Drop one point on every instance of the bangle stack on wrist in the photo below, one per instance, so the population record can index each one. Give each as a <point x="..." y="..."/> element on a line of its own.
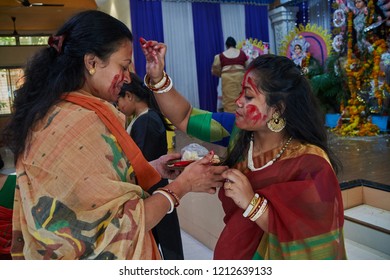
<point x="256" y="208"/>
<point x="163" y="86"/>
<point x="177" y="199"/>
<point x="259" y="210"/>
<point x="251" y="205"/>
<point x="171" y="196"/>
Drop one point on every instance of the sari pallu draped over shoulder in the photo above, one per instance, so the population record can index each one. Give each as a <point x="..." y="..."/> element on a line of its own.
<point x="76" y="195"/>
<point x="306" y="213"/>
<point x="147" y="176"/>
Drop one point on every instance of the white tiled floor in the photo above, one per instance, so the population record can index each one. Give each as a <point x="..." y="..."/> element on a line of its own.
<point x="194" y="250"/>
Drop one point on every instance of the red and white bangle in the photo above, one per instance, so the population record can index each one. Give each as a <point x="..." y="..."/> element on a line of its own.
<point x="166" y="88"/>
<point x="252" y="204"/>
<point x="163" y="86"/>
<point x="173" y="194"/>
<point x="169" y="199"/>
<point x="259" y="211"/>
<point x="158" y="85"/>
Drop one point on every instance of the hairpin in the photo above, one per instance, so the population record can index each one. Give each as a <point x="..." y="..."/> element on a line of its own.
<point x="56" y="42"/>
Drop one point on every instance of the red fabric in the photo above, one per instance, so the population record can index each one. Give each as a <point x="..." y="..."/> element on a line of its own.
<point x="304" y="200"/>
<point x="239" y="60"/>
<point x="147" y="176"/>
<point x="5" y="230"/>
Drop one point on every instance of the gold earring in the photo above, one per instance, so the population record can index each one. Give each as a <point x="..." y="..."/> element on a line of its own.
<point x="92" y="71"/>
<point x="276" y="124"/>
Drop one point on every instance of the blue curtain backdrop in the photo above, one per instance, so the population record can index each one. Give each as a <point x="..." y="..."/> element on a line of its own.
<point x="256" y="22"/>
<point x="146" y="21"/>
<point x="208" y="42"/>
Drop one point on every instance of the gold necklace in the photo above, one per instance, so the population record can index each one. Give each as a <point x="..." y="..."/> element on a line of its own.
<point x="251" y="166"/>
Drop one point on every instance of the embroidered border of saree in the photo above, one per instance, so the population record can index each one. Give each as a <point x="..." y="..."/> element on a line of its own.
<point x="321" y="247"/>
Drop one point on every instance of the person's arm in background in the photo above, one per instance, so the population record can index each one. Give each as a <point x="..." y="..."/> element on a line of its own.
<point x="216" y="68"/>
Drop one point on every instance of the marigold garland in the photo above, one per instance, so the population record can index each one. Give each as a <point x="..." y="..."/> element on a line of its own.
<point x="362" y="74"/>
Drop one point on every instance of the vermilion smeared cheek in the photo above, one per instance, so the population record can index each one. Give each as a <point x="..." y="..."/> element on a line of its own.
<point x="117" y="78"/>
<point x="253" y="114"/>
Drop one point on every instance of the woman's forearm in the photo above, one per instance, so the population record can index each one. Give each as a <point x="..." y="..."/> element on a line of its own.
<point x="158" y="204"/>
<point x="175" y="107"/>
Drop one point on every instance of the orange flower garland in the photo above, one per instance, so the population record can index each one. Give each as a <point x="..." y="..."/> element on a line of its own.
<point x="379" y="48"/>
<point x="358" y="74"/>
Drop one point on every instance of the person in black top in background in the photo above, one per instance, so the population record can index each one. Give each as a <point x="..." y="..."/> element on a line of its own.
<point x="148" y="129"/>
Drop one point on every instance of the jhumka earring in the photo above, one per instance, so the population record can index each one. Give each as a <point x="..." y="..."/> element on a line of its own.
<point x="276" y="124"/>
<point x="92" y="71"/>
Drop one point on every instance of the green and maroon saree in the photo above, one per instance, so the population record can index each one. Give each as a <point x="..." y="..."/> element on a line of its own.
<point x="306" y="213"/>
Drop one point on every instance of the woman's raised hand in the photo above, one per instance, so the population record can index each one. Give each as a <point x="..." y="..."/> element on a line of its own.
<point x="155" y="58"/>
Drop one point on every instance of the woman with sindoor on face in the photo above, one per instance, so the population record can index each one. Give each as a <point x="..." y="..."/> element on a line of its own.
<point x="81" y="180"/>
<point x="281" y="197"/>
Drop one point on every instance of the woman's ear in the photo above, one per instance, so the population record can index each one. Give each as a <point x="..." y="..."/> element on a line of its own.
<point x="90" y="63"/>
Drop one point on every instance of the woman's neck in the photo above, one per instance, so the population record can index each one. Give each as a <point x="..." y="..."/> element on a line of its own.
<point x="140" y="108"/>
<point x="265" y="142"/>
